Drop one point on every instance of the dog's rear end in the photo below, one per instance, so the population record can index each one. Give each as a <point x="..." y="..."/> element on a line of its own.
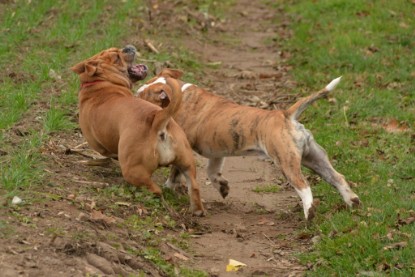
<point x="312" y="156"/>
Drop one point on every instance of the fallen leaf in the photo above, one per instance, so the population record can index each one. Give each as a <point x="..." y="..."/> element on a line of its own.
<point x="264" y="221"/>
<point x="403" y="25"/>
<point x="181" y="256"/>
<point x="397" y="245"/>
<point x="390" y="236"/>
<point x="245" y="74"/>
<point x="81" y="216"/>
<point x="54" y="75"/>
<point x="126" y="204"/>
<point x="393" y="126"/>
<point x="383" y="266"/>
<point x="373" y="49"/>
<point x="234" y="265"/>
<point x="406" y="221"/>
<point x="98" y="216"/>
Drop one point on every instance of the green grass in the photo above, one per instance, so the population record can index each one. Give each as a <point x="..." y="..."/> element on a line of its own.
<point x="266" y="188"/>
<point x="371" y="44"/>
<point x="29" y="49"/>
<point x="22" y="169"/>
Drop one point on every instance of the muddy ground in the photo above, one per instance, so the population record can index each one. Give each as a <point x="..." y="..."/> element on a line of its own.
<point x="74" y="230"/>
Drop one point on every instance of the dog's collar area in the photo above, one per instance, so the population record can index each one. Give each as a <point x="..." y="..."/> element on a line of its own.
<point x="88" y="84"/>
<point x="186" y="86"/>
<point x="160" y="80"/>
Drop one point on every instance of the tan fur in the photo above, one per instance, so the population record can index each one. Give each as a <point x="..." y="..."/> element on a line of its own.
<point x="141" y="135"/>
<point x="217" y="127"/>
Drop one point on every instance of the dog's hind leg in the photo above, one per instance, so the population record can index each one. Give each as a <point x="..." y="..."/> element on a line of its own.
<point x="290" y="163"/>
<point x="316" y="159"/>
<point x="214" y="171"/>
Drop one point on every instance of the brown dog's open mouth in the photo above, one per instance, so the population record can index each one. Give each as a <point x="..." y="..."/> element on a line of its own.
<point x="137" y="72"/>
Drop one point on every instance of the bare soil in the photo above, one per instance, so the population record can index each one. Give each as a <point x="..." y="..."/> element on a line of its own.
<point x="72" y="229"/>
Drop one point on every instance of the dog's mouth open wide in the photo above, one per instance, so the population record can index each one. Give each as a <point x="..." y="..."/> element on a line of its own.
<point x="136" y="72"/>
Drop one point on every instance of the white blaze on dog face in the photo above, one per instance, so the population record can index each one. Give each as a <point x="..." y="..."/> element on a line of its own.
<point x="160" y="80"/>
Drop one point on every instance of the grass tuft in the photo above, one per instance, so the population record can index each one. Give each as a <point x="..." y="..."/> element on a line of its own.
<point x="368" y="43"/>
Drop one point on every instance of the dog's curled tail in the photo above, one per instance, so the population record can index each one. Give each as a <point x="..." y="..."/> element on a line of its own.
<point x="174" y="96"/>
<point x="296" y="110"/>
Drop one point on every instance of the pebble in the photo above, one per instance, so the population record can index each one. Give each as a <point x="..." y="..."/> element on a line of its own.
<point x="16" y="200"/>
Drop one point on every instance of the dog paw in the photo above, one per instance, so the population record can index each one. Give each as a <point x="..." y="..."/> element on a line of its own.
<point x="224" y="189"/>
<point x="355" y="202"/>
<point x="199" y="213"/>
<point x="156" y="191"/>
<point x="311" y="213"/>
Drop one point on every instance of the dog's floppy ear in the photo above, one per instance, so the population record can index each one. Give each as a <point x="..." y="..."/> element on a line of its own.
<point x="91" y="68"/>
<point x="88" y="67"/>
<point x="164" y="99"/>
<point x="79" y="68"/>
<point x="172" y="73"/>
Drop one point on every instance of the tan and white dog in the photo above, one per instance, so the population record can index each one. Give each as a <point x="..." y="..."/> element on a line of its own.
<point x="217" y="127"/>
<point x="141" y="135"/>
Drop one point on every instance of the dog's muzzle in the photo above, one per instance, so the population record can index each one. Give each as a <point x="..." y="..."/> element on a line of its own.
<point x="136" y="72"/>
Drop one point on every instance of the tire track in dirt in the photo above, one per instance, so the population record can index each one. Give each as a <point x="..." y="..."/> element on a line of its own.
<point x="256" y="229"/>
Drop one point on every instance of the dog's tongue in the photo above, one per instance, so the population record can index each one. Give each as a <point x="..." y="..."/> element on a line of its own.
<point x="138" y="71"/>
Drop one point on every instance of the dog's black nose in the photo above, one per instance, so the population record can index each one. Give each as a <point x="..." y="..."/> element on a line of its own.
<point x="129" y="49"/>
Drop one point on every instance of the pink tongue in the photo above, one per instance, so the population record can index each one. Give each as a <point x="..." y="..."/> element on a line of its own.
<point x="138" y="69"/>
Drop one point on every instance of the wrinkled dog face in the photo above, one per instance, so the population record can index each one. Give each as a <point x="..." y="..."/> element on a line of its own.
<point x="114" y="65"/>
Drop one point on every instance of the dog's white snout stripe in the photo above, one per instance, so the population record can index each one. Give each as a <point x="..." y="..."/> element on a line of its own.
<point x="160" y="80"/>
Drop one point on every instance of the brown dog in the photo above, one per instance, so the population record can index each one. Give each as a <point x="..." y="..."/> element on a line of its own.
<point x="141" y="135"/>
<point x="217" y="127"/>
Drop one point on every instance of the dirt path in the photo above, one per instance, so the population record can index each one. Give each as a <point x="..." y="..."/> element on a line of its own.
<point x="254" y="228"/>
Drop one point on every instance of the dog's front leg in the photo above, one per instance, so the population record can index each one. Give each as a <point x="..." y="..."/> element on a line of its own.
<point x="194" y="191"/>
<point x="214" y="171"/>
<point x="316" y="159"/>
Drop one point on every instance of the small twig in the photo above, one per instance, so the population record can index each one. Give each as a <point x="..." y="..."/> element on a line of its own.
<point x="92" y="183"/>
<point x="151" y="46"/>
<point x="80" y="145"/>
<point x="345" y="108"/>
<point x="169" y="209"/>
<point x="175" y="248"/>
<point x="55" y="236"/>
<point x="273" y="243"/>
<point x="97" y="162"/>
<point x="79" y="152"/>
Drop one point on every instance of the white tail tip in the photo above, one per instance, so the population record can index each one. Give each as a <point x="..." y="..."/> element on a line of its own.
<point x="333" y="84"/>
